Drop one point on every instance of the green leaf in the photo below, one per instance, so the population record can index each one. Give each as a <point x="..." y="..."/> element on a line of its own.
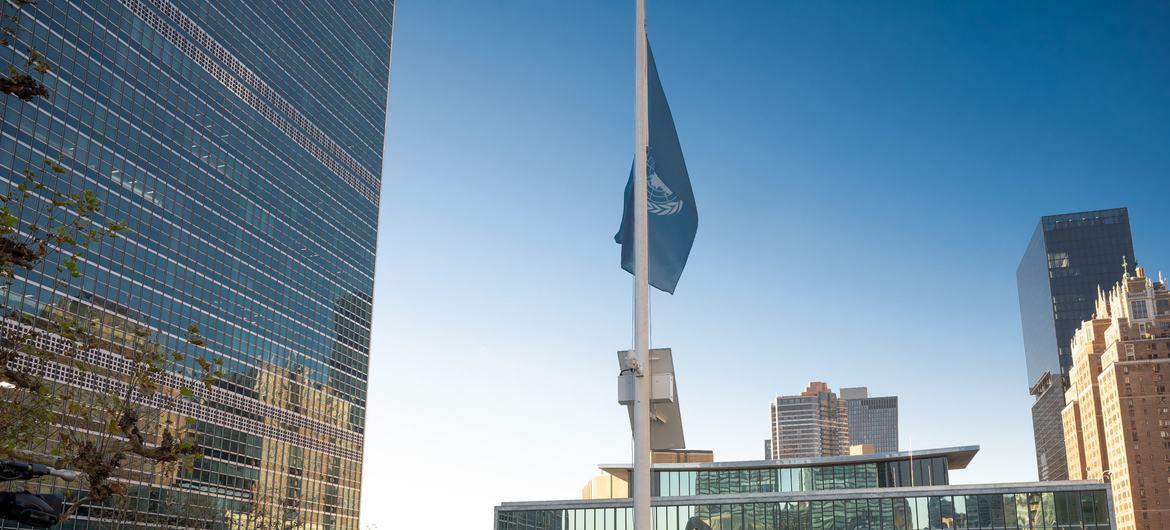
<point x="71" y="266"/>
<point x="186" y="392"/>
<point x="53" y="165"/>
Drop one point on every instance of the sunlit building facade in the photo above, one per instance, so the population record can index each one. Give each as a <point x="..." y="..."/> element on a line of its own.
<point x="814" y="423"/>
<point x="242" y="144"/>
<point x="891" y="491"/>
<point x="1117" y="417"/>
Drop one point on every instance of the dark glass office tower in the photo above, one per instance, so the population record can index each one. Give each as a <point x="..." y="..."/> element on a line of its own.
<point x="242" y="143"/>
<point x="872" y="420"/>
<point x="1068" y="258"/>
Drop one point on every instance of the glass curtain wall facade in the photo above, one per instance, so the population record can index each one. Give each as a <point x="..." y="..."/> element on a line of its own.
<point x="242" y="144"/>
<point x="1048" y="434"/>
<point x="1068" y="258"/>
<point x="858" y="492"/>
<point x="888" y="474"/>
<point x="1021" y="507"/>
<point x="872" y="420"/>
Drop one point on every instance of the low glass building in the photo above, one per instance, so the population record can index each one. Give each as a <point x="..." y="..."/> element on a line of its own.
<point x="892" y="491"/>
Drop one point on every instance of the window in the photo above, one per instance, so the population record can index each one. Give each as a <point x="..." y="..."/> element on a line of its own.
<point x="1137" y="309"/>
<point x="1058" y="260"/>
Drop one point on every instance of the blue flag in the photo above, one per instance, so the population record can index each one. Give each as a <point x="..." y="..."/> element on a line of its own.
<point x="673" y="218"/>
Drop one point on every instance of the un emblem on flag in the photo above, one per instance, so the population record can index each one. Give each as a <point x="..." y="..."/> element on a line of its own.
<point x="659" y="199"/>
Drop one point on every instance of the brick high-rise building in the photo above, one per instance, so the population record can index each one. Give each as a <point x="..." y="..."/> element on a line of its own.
<point x="1117" y="416"/>
<point x="813" y="424"/>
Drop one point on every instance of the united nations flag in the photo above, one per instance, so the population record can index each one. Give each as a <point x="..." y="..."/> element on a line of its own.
<point x="673" y="218"/>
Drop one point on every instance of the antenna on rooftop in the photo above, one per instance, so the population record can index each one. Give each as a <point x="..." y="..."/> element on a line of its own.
<point x="910" y="439"/>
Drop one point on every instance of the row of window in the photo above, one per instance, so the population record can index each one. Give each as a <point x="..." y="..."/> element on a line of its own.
<point x="918" y="472"/>
<point x="1077" y="510"/>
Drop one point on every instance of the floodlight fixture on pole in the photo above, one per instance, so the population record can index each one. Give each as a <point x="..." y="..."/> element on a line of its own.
<point x="666" y="431"/>
<point x="36" y="510"/>
<point x="21" y="470"/>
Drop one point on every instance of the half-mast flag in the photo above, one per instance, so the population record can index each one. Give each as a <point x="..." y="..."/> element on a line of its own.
<point x="673" y="218"/>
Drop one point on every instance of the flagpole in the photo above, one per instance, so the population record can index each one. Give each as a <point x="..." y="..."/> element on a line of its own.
<point x="642" y="376"/>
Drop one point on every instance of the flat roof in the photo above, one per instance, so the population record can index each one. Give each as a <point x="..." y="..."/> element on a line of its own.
<point x="957" y="458"/>
<point x="863" y="493"/>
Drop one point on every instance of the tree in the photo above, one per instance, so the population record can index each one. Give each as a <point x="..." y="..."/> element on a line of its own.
<point x="125" y="412"/>
<point x="18" y="81"/>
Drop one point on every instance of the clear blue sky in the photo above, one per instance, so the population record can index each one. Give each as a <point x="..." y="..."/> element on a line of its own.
<point x="867" y="177"/>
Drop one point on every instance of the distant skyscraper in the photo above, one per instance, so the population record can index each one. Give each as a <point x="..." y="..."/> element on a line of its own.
<point x="242" y="142"/>
<point x="1047" y="430"/>
<point x="813" y="424"/>
<point x="872" y="420"/>
<point x="1069" y="256"/>
<point x="1117" y="417"/>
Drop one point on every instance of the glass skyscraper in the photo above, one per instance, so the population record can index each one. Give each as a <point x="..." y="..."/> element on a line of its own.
<point x="242" y="143"/>
<point x="1069" y="257"/>
<point x="872" y="420"/>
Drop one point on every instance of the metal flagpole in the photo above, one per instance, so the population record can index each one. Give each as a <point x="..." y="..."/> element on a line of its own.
<point x="642" y="376"/>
